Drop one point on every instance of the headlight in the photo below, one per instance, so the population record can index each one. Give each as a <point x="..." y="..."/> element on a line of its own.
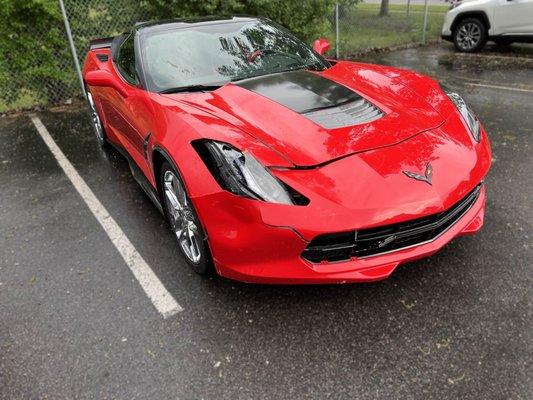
<point x="241" y="174"/>
<point x="467" y="114"/>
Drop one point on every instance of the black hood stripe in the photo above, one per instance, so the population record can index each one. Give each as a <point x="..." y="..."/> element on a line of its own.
<point x="301" y="91"/>
<point x="322" y="100"/>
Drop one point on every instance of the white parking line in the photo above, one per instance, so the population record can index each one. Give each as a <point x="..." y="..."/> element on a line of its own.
<point x="152" y="286"/>
<point x="515" y="89"/>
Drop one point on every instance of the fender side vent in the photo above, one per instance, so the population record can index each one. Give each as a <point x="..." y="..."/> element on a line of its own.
<point x="347" y="114"/>
<point x="102" y="57"/>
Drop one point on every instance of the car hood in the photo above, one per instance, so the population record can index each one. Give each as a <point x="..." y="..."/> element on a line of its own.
<point x="380" y="187"/>
<point x="312" y="118"/>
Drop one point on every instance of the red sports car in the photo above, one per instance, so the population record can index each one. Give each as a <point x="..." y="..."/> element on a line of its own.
<point x="274" y="164"/>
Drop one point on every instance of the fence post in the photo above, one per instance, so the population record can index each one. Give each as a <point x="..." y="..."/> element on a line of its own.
<point x="425" y="21"/>
<point x="337" y="30"/>
<point x="72" y="45"/>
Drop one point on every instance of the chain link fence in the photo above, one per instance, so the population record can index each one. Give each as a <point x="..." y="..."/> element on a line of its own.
<point x="33" y="81"/>
<point x="88" y="19"/>
<point x="361" y="28"/>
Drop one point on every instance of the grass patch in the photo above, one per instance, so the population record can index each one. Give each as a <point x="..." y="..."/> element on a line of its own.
<point x="360" y="27"/>
<point x="27" y="99"/>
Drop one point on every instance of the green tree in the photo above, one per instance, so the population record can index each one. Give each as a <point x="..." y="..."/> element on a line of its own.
<point x="307" y="18"/>
<point x="36" y="57"/>
<point x="33" y="46"/>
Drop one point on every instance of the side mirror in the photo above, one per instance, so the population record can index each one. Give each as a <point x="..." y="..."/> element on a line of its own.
<point x="321" y="45"/>
<point x="104" y="78"/>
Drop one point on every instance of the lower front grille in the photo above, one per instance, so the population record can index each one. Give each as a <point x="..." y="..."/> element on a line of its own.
<point x="343" y="246"/>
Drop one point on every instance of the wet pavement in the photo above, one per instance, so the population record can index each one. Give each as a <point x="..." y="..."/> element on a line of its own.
<point x="74" y="323"/>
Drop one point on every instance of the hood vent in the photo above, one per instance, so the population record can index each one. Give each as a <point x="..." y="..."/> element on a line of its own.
<point x="323" y="101"/>
<point x="346" y="114"/>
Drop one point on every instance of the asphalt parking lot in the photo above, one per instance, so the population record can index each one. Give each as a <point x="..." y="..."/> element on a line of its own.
<point x="75" y="323"/>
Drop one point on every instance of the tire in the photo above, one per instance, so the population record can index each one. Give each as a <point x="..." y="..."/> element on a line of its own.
<point x="96" y="121"/>
<point x="470" y="35"/>
<point x="184" y="221"/>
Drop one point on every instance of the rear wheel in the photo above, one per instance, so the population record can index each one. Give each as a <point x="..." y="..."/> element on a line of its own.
<point x="184" y="221"/>
<point x="96" y="122"/>
<point x="469" y="35"/>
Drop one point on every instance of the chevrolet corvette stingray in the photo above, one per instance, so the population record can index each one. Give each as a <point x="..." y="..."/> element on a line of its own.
<point x="274" y="164"/>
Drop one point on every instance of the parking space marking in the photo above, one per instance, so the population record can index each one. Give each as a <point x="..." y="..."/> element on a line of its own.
<point x="152" y="286"/>
<point x="500" y="87"/>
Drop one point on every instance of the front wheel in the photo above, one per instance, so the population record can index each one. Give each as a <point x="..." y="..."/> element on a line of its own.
<point x="470" y="35"/>
<point x="184" y="222"/>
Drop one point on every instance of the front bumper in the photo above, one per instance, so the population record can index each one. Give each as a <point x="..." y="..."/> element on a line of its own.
<point x="245" y="248"/>
<point x="449" y="17"/>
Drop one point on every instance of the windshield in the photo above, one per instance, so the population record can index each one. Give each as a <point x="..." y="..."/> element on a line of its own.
<point x="214" y="54"/>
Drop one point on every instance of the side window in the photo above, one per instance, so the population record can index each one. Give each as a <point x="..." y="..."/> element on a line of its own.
<point x="126" y="60"/>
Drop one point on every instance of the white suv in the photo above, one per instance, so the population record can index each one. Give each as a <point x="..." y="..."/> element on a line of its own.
<point x="469" y="24"/>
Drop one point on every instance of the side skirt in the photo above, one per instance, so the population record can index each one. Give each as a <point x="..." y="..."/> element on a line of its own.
<point x="525" y="38"/>
<point x="138" y="175"/>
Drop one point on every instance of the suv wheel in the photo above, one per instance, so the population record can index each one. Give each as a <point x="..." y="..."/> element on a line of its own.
<point x="469" y="35"/>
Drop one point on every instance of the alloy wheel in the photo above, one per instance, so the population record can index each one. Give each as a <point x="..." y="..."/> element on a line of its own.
<point x="469" y="36"/>
<point x="182" y="218"/>
<point x="95" y="119"/>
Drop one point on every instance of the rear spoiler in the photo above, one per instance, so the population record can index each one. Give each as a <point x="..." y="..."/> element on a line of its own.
<point x="101" y="43"/>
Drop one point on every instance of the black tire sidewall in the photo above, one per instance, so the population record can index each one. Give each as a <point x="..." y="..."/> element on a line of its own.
<point x="482" y="40"/>
<point x="204" y="266"/>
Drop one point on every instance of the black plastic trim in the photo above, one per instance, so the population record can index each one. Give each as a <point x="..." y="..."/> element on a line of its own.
<point x="301" y="91"/>
<point x="139" y="177"/>
<point x="513" y="38"/>
<point x="342" y="246"/>
<point x="116" y="42"/>
<point x="101" y="43"/>
<point x="145" y="145"/>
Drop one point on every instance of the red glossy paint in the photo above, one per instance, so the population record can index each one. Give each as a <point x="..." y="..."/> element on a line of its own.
<point x="353" y="175"/>
<point x="321" y="45"/>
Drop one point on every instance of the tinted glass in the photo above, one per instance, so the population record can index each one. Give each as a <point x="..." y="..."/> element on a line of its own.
<point x="218" y="53"/>
<point x="126" y="60"/>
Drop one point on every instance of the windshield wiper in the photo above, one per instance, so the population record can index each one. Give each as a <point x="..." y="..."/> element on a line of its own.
<point x="265" y="72"/>
<point x="191" y="88"/>
<point x="315" y="67"/>
<point x="310" y="67"/>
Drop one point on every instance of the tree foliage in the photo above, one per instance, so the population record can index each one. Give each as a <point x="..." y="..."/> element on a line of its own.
<point x="307" y="18"/>
<point x="35" y="53"/>
<point x="32" y="42"/>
